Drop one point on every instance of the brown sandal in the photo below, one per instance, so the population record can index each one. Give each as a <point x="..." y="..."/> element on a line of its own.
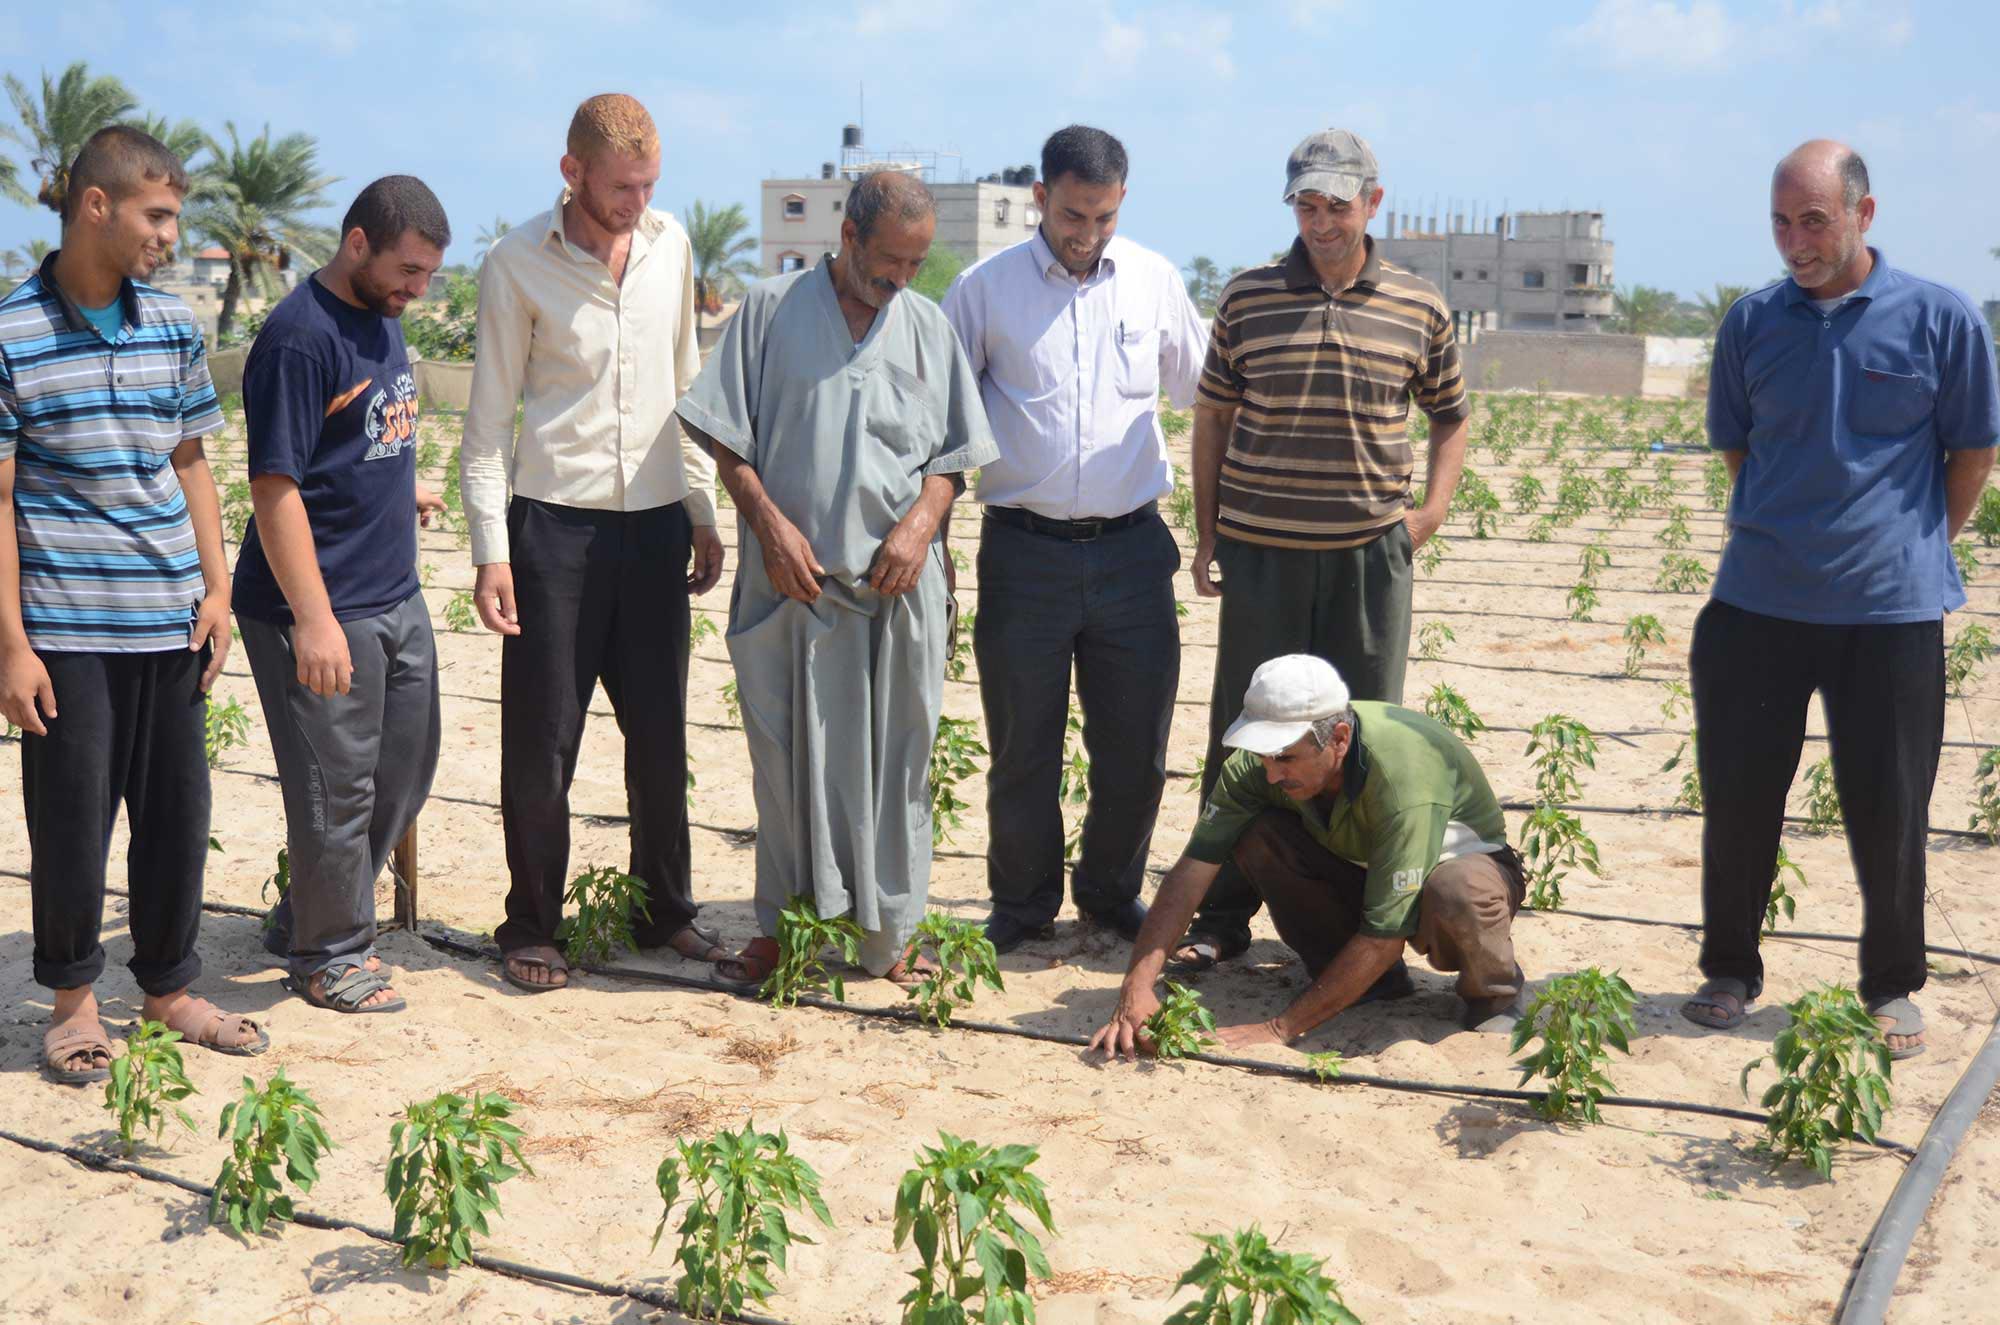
<point x="531" y="955"/>
<point x="755" y="964"/>
<point x="908" y="975"/>
<point x="698" y="945"/>
<point x="64" y="1043"/>
<point x="202" y="1023"/>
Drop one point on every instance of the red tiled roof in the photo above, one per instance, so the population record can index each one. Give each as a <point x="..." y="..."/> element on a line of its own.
<point x="214" y="252"/>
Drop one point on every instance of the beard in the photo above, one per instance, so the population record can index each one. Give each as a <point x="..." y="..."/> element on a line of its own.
<point x="599" y="214"/>
<point x="377" y="299"/>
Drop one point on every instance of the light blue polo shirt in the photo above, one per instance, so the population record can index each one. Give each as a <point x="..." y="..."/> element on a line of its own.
<point x="1838" y="516"/>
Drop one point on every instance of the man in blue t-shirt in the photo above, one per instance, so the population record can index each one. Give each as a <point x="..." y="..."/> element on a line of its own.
<point x="326" y="585"/>
<point x="1857" y="409"/>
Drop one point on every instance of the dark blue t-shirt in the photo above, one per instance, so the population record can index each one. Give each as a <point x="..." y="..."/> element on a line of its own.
<point x="1846" y="416"/>
<point x="331" y="404"/>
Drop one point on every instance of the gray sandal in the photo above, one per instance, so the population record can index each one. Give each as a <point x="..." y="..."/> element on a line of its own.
<point x="1708" y="1000"/>
<point x="1909" y="1021"/>
<point x="347" y="991"/>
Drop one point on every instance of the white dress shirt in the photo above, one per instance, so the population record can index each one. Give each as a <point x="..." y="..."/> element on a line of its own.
<point x="596" y="366"/>
<point x="1071" y="372"/>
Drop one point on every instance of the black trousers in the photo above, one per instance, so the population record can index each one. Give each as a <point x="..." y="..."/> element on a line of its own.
<point x="1882" y="688"/>
<point x="1106" y="607"/>
<point x="601" y="595"/>
<point x="128" y="731"/>
<point x="1350" y="606"/>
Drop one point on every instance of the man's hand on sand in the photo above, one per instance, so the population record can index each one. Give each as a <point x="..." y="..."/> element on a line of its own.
<point x="1250" y="1035"/>
<point x="1124" y="1036"/>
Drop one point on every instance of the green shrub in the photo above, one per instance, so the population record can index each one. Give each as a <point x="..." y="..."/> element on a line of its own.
<point x="447" y="1159"/>
<point x="1576" y="1016"/>
<point x="1969" y="649"/>
<point x="959" y="1207"/>
<point x="803" y="938"/>
<point x="1783" y="902"/>
<point x="274" y="1136"/>
<point x="1449" y="708"/>
<point x="1986" y="797"/>
<point x="1242" y="1278"/>
<point x="1833" y="1082"/>
<point x="1182" y="1026"/>
<point x="600" y="925"/>
<point x="1432" y="636"/>
<point x="225" y="727"/>
<point x="1641" y="632"/>
<point x="952" y="762"/>
<point x="965" y="959"/>
<point x="734" y="1232"/>
<point x="148" y="1082"/>
<point x="1822" y="798"/>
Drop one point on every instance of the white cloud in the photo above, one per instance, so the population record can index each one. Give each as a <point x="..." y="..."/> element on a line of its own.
<point x="1185" y="40"/>
<point x="1877" y="22"/>
<point x="1657" y="34"/>
<point x="1121" y="43"/>
<point x="881" y="17"/>
<point x="1311" y="13"/>
<point x="1203" y="37"/>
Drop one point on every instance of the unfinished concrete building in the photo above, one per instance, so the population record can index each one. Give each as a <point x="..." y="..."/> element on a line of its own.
<point x="1526" y="271"/>
<point x="975" y="217"/>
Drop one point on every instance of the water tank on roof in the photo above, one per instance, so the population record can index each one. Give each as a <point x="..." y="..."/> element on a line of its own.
<point x="850" y="135"/>
<point x="826" y="170"/>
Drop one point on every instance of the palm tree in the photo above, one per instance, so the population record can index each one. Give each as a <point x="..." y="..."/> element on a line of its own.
<point x="1715" y="305"/>
<point x="256" y="211"/>
<point x="488" y="238"/>
<point x="1641" y="310"/>
<point x="1204" y="283"/>
<point x="719" y="245"/>
<point x="72" y="108"/>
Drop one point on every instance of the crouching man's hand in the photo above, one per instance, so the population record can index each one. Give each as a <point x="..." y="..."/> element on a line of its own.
<point x="1124" y="1036"/>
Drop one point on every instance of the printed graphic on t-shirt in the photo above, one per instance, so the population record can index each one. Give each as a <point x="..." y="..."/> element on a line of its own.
<point x="392" y="418"/>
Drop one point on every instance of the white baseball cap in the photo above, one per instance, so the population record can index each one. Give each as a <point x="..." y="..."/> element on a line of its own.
<point x="1286" y="696"/>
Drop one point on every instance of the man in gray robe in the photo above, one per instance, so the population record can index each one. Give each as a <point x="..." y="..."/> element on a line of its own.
<point x="843" y="416"/>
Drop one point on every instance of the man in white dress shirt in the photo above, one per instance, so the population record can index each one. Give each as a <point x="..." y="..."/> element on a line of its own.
<point x="586" y="319"/>
<point x="1073" y="334"/>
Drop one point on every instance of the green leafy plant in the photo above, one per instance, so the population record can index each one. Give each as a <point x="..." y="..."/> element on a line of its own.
<point x="1432" y="554"/>
<point x="274" y="1136"/>
<point x="1715" y="482"/>
<point x="1073" y="788"/>
<point x="1559" y="745"/>
<point x="1678" y="699"/>
<point x="459" y="613"/>
<point x="1242" y="1278"/>
<point x="225" y="727"/>
<point x="1553" y="842"/>
<point x="1641" y="633"/>
<point x="958" y="1206"/>
<point x="1449" y="708"/>
<point x="1967" y="559"/>
<point x="1822" y="798"/>
<point x="1182" y="1025"/>
<point x="1969" y="650"/>
<point x="1475" y="500"/>
<point x="148" y="1082"/>
<point x="1180" y="502"/>
<point x="732" y="702"/>
<point x="1582" y="601"/>
<point x="1576" y="1016"/>
<point x="236" y="508"/>
<point x="734" y="1232"/>
<point x="1432" y="636"/>
<point x="961" y="658"/>
<point x="277" y="885"/>
<point x="952" y="761"/>
<point x="600" y="926"/>
<point x="1327" y="1065"/>
<point x="1576" y="495"/>
<point x="965" y="959"/>
<point x="1527" y="493"/>
<point x="447" y="1158"/>
<point x="1680" y="573"/>
<point x="701" y="627"/>
<point x="1594" y="561"/>
<point x="1986" y="517"/>
<point x="1675" y="533"/>
<point x="1688" y="797"/>
<point x="1542" y="530"/>
<point x="1986" y="797"/>
<point x="803" y="938"/>
<point x="1833" y="1082"/>
<point x="1783" y="901"/>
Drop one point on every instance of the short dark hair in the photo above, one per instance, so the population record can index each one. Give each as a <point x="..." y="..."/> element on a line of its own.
<point x="391" y="207"/>
<point x="1092" y="155"/>
<point x="1853" y="179"/>
<point x="890" y="194"/>
<point x="117" y="160"/>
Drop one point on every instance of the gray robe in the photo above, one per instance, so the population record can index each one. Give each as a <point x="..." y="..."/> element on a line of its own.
<point x="840" y="698"/>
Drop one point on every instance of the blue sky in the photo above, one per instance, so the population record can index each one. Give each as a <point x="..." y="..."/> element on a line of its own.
<point x="1667" y="114"/>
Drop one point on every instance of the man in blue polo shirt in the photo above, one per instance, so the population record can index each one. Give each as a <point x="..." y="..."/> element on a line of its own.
<point x="1857" y="408"/>
<point x="114" y="598"/>
<point x="326" y="584"/>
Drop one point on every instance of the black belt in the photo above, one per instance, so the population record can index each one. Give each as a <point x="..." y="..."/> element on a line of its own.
<point x="1076" y="531"/>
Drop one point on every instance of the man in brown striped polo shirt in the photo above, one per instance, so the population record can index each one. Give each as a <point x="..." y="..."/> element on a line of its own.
<point x="1302" y="466"/>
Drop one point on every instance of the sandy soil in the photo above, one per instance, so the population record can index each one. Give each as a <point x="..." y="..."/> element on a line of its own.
<point x="1426" y="1208"/>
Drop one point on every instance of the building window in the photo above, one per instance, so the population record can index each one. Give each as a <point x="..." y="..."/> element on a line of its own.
<point x="1579" y="274"/>
<point x="836" y="206"/>
<point x="791" y="262"/>
<point x="1532" y="279"/>
<point x="1000" y="211"/>
<point x="1482" y="274"/>
<point x="1031" y="217"/>
<point x="795" y="207"/>
<point x="1458" y="273"/>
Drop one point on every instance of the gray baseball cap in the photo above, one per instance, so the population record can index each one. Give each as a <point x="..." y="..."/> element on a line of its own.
<point x="1332" y="161"/>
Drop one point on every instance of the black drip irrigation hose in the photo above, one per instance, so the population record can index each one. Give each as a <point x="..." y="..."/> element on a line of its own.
<point x="92" y="1159"/>
<point x="907" y="1016"/>
<point x="1888" y="1246"/>
<point x="1937" y="949"/>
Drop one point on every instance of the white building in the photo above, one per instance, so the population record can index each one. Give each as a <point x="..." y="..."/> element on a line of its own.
<point x="1532" y="271"/>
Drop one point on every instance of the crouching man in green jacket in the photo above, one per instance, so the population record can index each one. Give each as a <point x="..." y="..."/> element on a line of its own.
<point x="1364" y="827"/>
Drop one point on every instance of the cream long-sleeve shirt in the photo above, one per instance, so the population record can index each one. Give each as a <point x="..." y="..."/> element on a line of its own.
<point x="596" y="366"/>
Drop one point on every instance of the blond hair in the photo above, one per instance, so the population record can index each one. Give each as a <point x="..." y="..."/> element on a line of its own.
<point x="612" y="121"/>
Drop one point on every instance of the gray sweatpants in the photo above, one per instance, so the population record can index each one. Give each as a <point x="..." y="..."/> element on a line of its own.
<point x="355" y="769"/>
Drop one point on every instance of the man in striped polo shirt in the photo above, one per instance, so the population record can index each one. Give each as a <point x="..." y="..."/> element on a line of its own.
<point x="114" y="597"/>
<point x="1302" y="466"/>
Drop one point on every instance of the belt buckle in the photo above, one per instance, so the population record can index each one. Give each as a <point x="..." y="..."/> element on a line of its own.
<point x="1096" y="531"/>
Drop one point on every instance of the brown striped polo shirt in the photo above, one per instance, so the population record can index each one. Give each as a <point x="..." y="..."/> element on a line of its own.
<point x="1319" y="455"/>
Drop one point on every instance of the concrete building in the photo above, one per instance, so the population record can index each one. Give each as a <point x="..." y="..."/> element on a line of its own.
<point x="975" y="218"/>
<point x="1530" y="271"/>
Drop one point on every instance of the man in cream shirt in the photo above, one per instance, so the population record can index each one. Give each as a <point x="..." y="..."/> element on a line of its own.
<point x="586" y="320"/>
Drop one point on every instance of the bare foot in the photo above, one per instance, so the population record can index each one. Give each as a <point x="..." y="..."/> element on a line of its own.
<point x="537" y="965"/>
<point x="383" y="995"/>
<point x="1898" y="1043"/>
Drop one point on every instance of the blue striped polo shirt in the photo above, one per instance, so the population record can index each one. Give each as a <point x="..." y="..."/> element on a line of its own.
<point x="108" y="557"/>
